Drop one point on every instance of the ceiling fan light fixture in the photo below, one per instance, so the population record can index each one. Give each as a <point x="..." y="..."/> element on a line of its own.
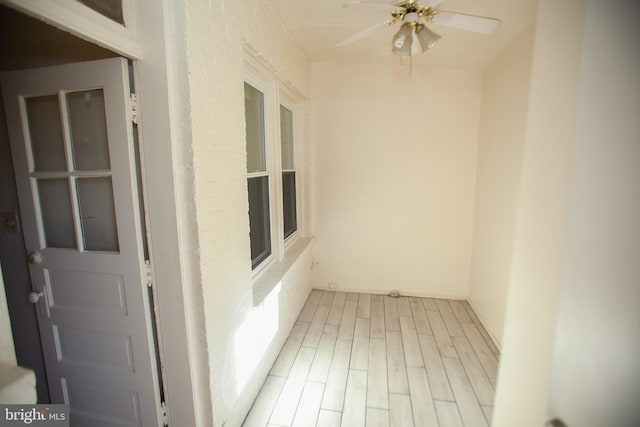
<point x="426" y="37"/>
<point x="402" y="40"/>
<point x="415" y="47"/>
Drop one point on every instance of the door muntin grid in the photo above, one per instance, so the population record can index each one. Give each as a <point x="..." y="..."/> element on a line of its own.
<point x="66" y="140"/>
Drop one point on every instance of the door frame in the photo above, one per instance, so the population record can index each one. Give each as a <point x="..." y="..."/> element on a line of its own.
<point x="160" y="76"/>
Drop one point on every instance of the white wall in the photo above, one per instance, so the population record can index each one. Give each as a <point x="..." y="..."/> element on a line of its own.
<point x="525" y="363"/>
<point x="7" y="352"/>
<point x="215" y="33"/>
<point x="17" y="384"/>
<point x="505" y="96"/>
<point x="596" y="364"/>
<point x="394" y="177"/>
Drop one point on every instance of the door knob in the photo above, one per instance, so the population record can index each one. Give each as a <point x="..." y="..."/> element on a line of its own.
<point x="35" y="258"/>
<point x="34" y="297"/>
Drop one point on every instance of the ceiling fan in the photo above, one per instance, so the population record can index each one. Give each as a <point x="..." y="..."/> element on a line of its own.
<point x="414" y="36"/>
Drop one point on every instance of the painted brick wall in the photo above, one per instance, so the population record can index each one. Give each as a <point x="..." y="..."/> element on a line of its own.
<point x="215" y="34"/>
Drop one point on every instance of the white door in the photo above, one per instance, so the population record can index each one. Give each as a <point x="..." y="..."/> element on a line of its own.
<point x="71" y="138"/>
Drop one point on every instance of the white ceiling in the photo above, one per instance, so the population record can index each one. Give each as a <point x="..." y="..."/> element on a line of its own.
<point x="319" y="24"/>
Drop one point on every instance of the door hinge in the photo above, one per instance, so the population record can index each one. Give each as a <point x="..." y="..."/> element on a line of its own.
<point x="148" y="275"/>
<point x="165" y="413"/>
<point x="134" y="107"/>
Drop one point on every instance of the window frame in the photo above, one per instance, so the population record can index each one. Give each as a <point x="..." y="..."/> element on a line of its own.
<point x="254" y="79"/>
<point x="92" y="25"/>
<point x="286" y="102"/>
<point x="277" y="93"/>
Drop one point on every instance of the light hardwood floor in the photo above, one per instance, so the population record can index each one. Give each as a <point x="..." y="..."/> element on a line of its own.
<point x="371" y="360"/>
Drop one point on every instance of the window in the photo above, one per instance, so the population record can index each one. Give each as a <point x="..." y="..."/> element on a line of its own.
<point x="275" y="175"/>
<point x="289" y="212"/>
<point x="112" y="9"/>
<point x="257" y="176"/>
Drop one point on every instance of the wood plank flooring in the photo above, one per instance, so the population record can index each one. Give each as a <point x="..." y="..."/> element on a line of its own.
<point x="371" y="360"/>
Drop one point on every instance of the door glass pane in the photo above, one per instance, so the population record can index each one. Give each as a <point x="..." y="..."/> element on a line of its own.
<point x="43" y="115"/>
<point x="88" y="124"/>
<point x="98" y="214"/>
<point x="112" y="9"/>
<point x="286" y="137"/>
<point x="254" y="115"/>
<point x="55" y="206"/>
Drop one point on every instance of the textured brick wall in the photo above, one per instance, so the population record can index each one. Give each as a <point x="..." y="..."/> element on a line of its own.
<point x="215" y="33"/>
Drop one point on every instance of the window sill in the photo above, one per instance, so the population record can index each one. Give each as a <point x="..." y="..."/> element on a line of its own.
<point x="275" y="271"/>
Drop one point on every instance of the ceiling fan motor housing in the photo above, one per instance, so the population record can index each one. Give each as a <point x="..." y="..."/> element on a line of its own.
<point x="407" y="8"/>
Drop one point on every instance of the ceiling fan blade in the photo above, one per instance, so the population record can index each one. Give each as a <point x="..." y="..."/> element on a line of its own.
<point x="378" y="6"/>
<point x="363" y="34"/>
<point x="431" y="3"/>
<point x="479" y="24"/>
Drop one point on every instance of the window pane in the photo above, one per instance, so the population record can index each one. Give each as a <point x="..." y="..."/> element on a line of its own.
<point x="47" y="146"/>
<point x="55" y="207"/>
<point x="97" y="214"/>
<point x="286" y="136"/>
<point x="112" y="9"/>
<point x="289" y="203"/>
<point x="259" y="223"/>
<point x="254" y="115"/>
<point x="88" y="130"/>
